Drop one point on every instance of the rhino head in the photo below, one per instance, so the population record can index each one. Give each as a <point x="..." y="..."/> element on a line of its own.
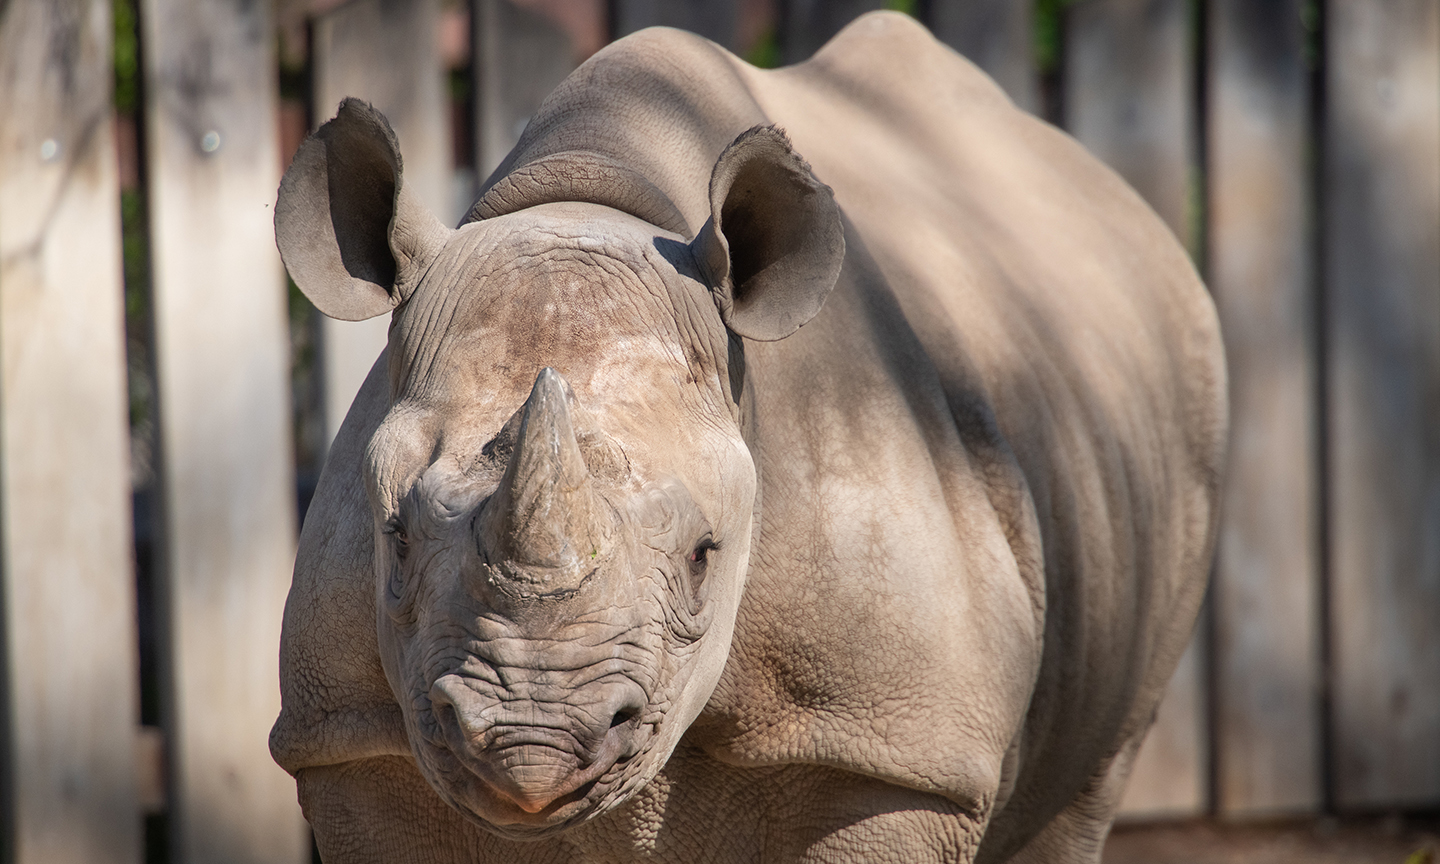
<point x="562" y="494"/>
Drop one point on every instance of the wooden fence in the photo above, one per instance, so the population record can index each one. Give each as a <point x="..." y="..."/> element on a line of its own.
<point x="1294" y="146"/>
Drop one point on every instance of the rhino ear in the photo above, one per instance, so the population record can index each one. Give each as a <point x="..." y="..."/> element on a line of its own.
<point x="774" y="243"/>
<point x="352" y="236"/>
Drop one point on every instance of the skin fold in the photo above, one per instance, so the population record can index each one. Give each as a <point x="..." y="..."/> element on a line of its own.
<point x="816" y="464"/>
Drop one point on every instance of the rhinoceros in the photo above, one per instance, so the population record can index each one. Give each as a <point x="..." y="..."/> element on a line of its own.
<point x="816" y="464"/>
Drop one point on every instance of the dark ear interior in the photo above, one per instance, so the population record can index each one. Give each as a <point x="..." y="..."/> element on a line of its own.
<point x="334" y="215"/>
<point x="774" y="243"/>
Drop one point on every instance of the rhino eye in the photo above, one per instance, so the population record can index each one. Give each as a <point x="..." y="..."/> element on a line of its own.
<point x="699" y="560"/>
<point x="396" y="530"/>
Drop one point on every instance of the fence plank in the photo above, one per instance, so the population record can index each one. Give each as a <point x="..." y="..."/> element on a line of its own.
<point x="226" y="467"/>
<point x="1266" y="592"/>
<point x="519" y="56"/>
<point x="998" y="36"/>
<point x="1382" y="271"/>
<point x="386" y="52"/>
<point x="1129" y="87"/>
<point x="806" y="25"/>
<point x="1169" y="776"/>
<point x="1128" y="97"/>
<point x="69" y="594"/>
<point x="714" y="19"/>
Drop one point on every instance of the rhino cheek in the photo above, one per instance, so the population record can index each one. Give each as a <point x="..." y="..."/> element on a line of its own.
<point x="708" y="663"/>
<point x="726" y="481"/>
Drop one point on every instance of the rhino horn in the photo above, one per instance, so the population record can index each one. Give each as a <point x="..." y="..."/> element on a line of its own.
<point x="545" y="525"/>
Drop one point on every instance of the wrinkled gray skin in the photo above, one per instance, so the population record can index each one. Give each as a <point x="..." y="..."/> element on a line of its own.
<point x="614" y="560"/>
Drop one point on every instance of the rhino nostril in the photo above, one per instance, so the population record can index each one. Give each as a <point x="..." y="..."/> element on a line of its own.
<point x="623" y="735"/>
<point x="444" y="725"/>
<point x="458" y="712"/>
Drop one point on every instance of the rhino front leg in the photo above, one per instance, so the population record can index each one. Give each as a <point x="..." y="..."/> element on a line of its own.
<point x="1077" y="834"/>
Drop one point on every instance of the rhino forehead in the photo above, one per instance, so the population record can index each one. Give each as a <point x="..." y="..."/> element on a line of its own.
<point x="593" y="298"/>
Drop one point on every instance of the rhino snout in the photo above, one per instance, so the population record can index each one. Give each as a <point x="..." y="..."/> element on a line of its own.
<point x="532" y="754"/>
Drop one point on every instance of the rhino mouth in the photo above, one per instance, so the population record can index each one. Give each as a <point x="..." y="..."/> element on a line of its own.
<point x="528" y="779"/>
<point x="537" y="774"/>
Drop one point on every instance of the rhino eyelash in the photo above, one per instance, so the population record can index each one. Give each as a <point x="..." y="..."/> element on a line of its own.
<point x="396" y="530"/>
<point x="702" y="550"/>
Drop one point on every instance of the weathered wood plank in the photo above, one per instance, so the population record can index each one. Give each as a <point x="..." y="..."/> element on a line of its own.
<point x="1129" y="86"/>
<point x="227" y="468"/>
<point x="519" y="56"/>
<point x="806" y="25"/>
<point x="150" y="769"/>
<point x="386" y="52"/>
<point x="69" y="593"/>
<point x="1382" y="276"/>
<point x="1266" y="591"/>
<point x="998" y="36"/>
<point x="714" y="19"/>
<point x="1129" y="95"/>
<point x="1169" y="778"/>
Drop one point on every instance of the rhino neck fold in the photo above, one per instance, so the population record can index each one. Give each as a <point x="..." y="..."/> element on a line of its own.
<point x="578" y="175"/>
<point x="603" y="123"/>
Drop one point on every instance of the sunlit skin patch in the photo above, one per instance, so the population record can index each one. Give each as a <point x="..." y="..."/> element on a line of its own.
<point x="563" y="518"/>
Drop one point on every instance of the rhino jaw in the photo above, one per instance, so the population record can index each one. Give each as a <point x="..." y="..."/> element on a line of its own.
<point x="545" y="529"/>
